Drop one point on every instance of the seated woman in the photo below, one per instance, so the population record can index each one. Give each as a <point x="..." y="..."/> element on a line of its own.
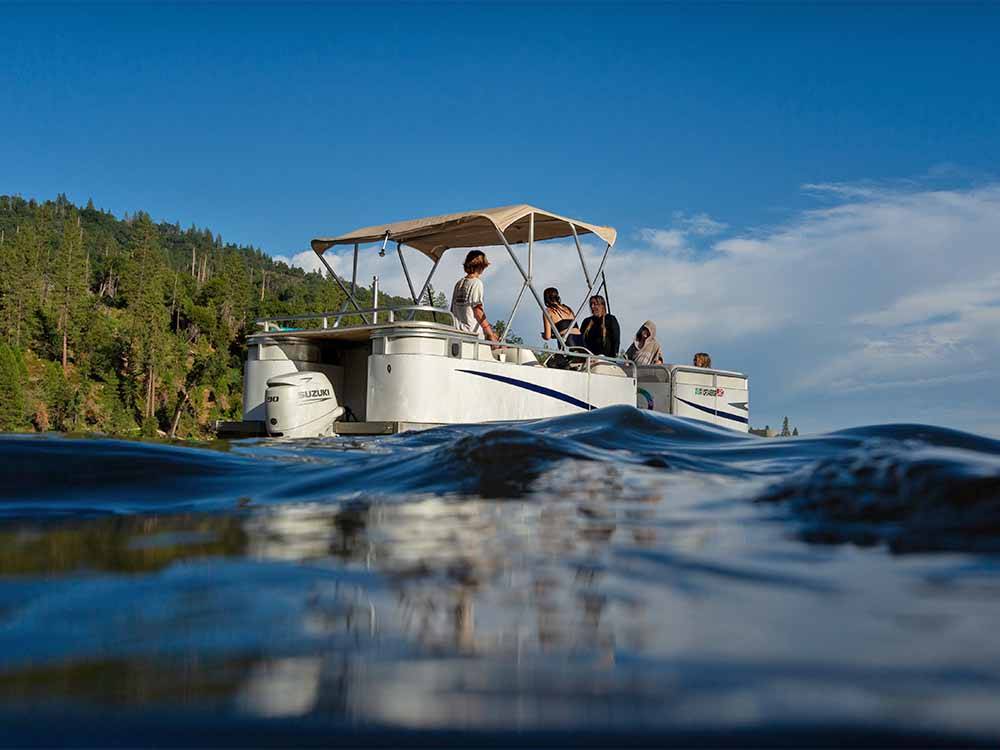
<point x="601" y="332"/>
<point x="563" y="318"/>
<point x="645" y="349"/>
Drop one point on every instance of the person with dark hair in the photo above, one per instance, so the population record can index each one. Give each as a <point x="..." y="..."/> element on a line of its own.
<point x="701" y="359"/>
<point x="645" y="349"/>
<point x="467" y="298"/>
<point x="563" y="318"/>
<point x="601" y="332"/>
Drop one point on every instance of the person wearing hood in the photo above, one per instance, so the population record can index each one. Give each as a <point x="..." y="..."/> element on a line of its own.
<point x="645" y="349"/>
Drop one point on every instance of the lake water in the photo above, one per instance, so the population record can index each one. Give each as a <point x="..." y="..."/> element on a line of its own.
<point x="609" y="577"/>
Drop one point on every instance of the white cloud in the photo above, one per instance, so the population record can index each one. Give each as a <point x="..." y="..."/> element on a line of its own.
<point x="306" y="260"/>
<point x="962" y="297"/>
<point x="668" y="240"/>
<point x="701" y="224"/>
<point x="677" y="239"/>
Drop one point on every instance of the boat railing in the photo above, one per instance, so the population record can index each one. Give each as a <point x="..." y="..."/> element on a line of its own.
<point x="270" y="323"/>
<point x="584" y="357"/>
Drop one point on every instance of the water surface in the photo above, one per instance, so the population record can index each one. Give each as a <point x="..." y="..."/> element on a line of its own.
<point x="590" y="579"/>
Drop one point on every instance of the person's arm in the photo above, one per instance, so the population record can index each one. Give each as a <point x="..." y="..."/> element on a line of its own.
<point x="476" y="299"/>
<point x="547" y="332"/>
<point x="484" y="323"/>
<point x="615" y="334"/>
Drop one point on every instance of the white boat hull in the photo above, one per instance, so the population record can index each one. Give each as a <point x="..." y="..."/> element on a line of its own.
<point x="408" y="374"/>
<point x="441" y="390"/>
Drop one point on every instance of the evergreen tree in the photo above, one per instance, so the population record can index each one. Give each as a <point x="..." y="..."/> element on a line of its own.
<point x="19" y="282"/>
<point x="785" y="432"/>
<point x="148" y="318"/>
<point x="13" y="405"/>
<point x="70" y="290"/>
<point x="795" y="432"/>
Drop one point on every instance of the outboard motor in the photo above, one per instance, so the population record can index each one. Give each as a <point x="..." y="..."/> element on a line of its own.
<point x="300" y="404"/>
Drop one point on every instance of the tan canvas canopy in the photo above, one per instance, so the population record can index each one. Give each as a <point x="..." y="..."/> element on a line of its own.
<point x="435" y="234"/>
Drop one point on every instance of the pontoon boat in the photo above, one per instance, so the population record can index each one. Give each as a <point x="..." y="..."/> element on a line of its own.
<point x="378" y="370"/>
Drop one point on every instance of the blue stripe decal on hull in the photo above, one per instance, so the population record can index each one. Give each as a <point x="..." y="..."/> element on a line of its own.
<point x="532" y="387"/>
<point x="713" y="412"/>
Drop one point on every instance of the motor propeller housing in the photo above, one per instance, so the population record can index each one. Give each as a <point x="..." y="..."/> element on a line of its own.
<point x="301" y="404"/>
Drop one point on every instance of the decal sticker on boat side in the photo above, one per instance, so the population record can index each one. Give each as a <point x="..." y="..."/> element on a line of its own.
<point x="714" y="412"/>
<point x="533" y="387"/>
<point x="709" y="391"/>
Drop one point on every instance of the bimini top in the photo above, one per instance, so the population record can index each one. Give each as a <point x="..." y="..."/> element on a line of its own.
<point x="435" y="234"/>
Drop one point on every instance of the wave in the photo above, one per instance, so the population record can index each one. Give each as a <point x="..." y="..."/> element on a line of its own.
<point x="914" y="487"/>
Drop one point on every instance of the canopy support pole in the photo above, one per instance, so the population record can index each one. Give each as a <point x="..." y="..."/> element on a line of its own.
<point x="531" y="245"/>
<point x="586" y="273"/>
<point x="579" y="251"/>
<point x="590" y="289"/>
<point x="534" y="292"/>
<point x="354" y="286"/>
<point x="354" y="273"/>
<point x="509" y="325"/>
<point x="423" y="289"/>
<point x="406" y="272"/>
<point x="343" y="306"/>
<point x="343" y="288"/>
<point x="513" y="312"/>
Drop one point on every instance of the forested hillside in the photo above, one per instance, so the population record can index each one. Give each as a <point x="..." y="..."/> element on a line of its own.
<point x="130" y="327"/>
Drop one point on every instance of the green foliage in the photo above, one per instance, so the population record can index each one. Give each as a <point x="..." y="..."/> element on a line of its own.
<point x="500" y="328"/>
<point x="13" y="406"/>
<point x="20" y="256"/>
<point x="127" y="325"/>
<point x="69" y="276"/>
<point x="62" y="399"/>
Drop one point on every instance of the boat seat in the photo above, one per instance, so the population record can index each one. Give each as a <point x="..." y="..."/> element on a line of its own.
<point x="514" y="355"/>
<point x="522" y="356"/>
<point x="607" y="368"/>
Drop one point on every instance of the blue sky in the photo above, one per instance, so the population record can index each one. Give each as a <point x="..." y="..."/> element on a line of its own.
<point x="719" y="140"/>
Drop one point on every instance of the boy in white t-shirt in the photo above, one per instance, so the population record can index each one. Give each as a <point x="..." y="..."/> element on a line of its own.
<point x="467" y="299"/>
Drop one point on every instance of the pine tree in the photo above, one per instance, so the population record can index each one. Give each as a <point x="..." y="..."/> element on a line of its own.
<point x="143" y="287"/>
<point x="13" y="406"/>
<point x="70" y="285"/>
<point x="795" y="432"/>
<point x="19" y="282"/>
<point x="785" y="432"/>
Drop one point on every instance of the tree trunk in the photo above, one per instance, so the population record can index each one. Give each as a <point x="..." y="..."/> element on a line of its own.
<point x="177" y="412"/>
<point x="150" y="390"/>
<point x="173" y="303"/>
<point x="64" y="358"/>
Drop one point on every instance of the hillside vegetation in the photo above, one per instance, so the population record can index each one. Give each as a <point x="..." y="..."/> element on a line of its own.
<point x="127" y="326"/>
